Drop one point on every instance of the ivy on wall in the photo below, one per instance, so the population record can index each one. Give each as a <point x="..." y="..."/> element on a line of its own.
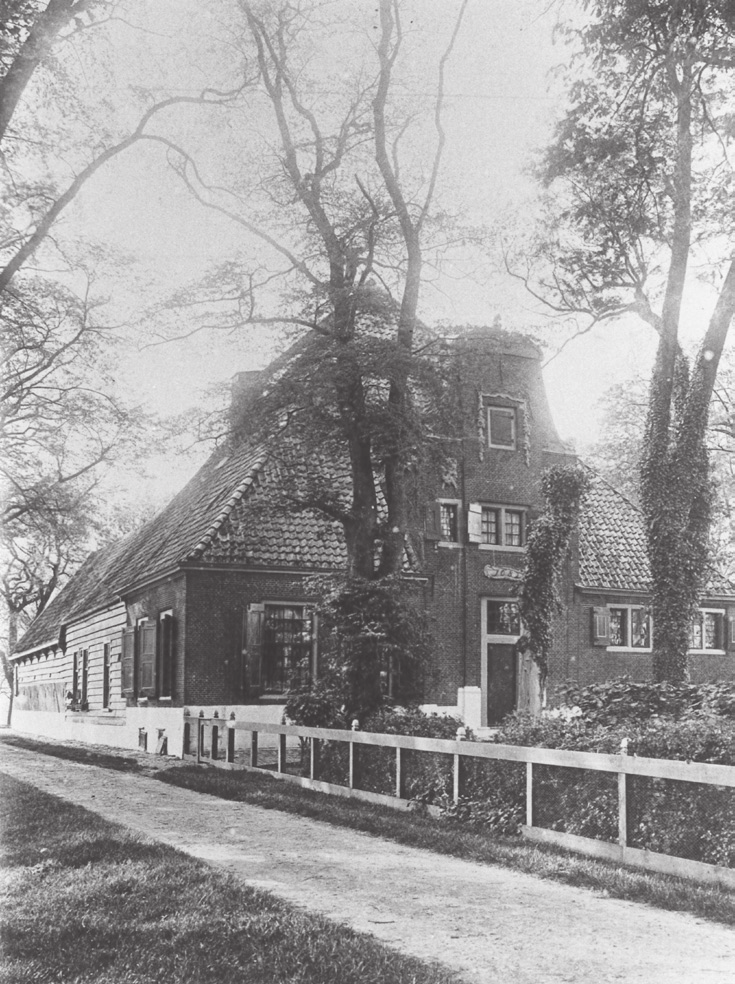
<point x="563" y="488"/>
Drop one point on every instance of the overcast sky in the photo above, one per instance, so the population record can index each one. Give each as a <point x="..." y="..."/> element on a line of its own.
<point x="500" y="104"/>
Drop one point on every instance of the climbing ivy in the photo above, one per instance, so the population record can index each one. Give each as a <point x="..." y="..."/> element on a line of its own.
<point x="563" y="488"/>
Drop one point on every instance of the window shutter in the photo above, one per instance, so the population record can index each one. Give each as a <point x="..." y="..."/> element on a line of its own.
<point x="75" y="676"/>
<point x="433" y="521"/>
<point x="166" y="656"/>
<point x="253" y="650"/>
<point x="600" y="627"/>
<point x="314" y="647"/>
<point x="127" y="661"/>
<point x="85" y="675"/>
<point x="147" y="661"/>
<point x="730" y="641"/>
<point x="474" y="522"/>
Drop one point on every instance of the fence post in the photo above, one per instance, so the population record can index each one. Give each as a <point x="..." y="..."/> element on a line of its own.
<point x="314" y="758"/>
<point x="400" y="781"/>
<point x="623" y="799"/>
<point x="200" y="736"/>
<point x="215" y="739"/>
<point x="281" y="753"/>
<point x="352" y="758"/>
<point x="529" y="794"/>
<point x="254" y="749"/>
<point x="231" y="738"/>
<point x="461" y="734"/>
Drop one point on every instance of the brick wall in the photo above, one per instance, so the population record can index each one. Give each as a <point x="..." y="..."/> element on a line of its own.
<point x="215" y="603"/>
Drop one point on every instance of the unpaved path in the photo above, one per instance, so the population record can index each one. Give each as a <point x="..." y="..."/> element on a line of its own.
<point x="492" y="925"/>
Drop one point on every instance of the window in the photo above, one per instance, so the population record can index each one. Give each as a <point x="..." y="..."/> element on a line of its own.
<point x="621" y="627"/>
<point x="497" y="526"/>
<point x="449" y="525"/>
<point x="707" y="631"/>
<point x="502" y="618"/>
<point x="501" y="427"/>
<point x="287" y="645"/>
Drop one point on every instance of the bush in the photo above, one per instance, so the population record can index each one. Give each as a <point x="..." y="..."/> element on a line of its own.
<point x="631" y="700"/>
<point x="685" y="819"/>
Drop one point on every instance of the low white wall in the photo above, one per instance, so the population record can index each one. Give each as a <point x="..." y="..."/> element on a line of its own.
<point x="116" y="730"/>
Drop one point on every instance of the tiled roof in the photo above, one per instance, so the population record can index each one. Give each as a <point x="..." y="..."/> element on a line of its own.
<point x="612" y="544"/>
<point x="612" y="540"/>
<point x="183" y="530"/>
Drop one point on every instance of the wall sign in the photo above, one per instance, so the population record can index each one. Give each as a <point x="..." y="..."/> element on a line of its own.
<point x="502" y="573"/>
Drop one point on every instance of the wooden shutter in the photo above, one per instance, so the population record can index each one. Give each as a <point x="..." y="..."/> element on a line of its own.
<point x="75" y="677"/>
<point x="730" y="640"/>
<point x="474" y="522"/>
<point x="166" y="655"/>
<point x="314" y="646"/>
<point x="85" y="675"/>
<point x="127" y="661"/>
<point x="147" y="660"/>
<point x="433" y="521"/>
<point x="253" y="650"/>
<point x="600" y="627"/>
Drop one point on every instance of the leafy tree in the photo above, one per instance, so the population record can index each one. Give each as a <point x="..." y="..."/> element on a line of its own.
<point x="640" y="195"/>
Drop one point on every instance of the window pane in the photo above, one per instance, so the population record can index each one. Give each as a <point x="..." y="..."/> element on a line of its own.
<point x="449" y="521"/>
<point x="711" y="636"/>
<point x="490" y="526"/>
<point x="502" y="426"/>
<point x="513" y="528"/>
<point x="639" y="629"/>
<point x="695" y="633"/>
<point x="286" y="648"/>
<point x="503" y="618"/>
<point x="618" y="627"/>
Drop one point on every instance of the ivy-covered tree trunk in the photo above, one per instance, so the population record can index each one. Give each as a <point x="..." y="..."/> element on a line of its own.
<point x="563" y="489"/>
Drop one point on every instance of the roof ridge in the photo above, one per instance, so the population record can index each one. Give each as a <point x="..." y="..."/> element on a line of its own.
<point x="236" y="497"/>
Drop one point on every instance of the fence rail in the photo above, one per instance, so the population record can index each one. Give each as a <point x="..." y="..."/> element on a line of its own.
<point x="215" y="741"/>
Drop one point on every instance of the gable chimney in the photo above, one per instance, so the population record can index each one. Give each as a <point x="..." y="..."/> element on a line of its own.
<point x="245" y="386"/>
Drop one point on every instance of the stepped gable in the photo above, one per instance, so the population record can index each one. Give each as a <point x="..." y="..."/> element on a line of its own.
<point x="180" y="532"/>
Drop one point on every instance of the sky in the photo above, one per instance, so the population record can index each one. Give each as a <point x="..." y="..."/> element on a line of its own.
<point x="501" y="103"/>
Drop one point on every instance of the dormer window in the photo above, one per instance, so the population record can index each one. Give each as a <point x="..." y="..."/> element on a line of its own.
<point x="501" y="427"/>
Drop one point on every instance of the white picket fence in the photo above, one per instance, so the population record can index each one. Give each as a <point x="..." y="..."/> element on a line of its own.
<point x="214" y="741"/>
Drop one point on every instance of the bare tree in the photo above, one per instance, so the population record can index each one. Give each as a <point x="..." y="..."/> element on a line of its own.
<point x="338" y="191"/>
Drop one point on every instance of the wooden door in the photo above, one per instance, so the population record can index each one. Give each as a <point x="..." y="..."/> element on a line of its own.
<point x="501" y="681"/>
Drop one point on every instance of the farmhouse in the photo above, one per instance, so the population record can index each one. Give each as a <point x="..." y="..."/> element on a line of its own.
<point x="209" y="605"/>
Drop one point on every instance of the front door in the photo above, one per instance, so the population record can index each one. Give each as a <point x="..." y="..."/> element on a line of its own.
<point x="500" y="631"/>
<point x="501" y="681"/>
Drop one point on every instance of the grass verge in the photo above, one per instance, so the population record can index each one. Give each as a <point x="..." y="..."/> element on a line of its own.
<point x="83" y="900"/>
<point x="441" y="836"/>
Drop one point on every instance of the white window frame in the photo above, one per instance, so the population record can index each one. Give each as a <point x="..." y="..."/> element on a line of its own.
<point x="701" y="612"/>
<point x="629" y="647"/>
<point x="457" y="503"/>
<point x="512" y="412"/>
<point x="503" y="509"/>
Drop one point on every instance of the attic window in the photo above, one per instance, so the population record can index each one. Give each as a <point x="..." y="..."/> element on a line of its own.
<point x="501" y="427"/>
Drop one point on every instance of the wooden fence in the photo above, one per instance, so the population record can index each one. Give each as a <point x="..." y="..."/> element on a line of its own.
<point x="214" y="741"/>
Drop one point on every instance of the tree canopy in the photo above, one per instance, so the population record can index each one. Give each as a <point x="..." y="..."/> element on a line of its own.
<point x="639" y="197"/>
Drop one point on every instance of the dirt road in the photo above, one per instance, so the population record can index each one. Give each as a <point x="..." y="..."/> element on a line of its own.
<point x="489" y="924"/>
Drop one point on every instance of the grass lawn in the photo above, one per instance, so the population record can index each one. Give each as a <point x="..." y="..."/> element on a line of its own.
<point x="441" y="836"/>
<point x="83" y="901"/>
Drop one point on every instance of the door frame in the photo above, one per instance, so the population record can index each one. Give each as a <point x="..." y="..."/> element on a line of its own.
<point x="489" y="639"/>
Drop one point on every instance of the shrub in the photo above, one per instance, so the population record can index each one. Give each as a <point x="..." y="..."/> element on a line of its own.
<point x="631" y="700"/>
